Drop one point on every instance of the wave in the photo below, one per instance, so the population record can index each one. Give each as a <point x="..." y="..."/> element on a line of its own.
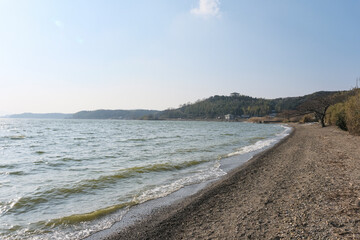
<point x="25" y="204"/>
<point x="187" y="150"/>
<point x="80" y="138"/>
<point x="262" y="143"/>
<point x="85" y="217"/>
<point x="6" y="206"/>
<point x="287" y="131"/>
<point x="227" y="134"/>
<point x="255" y="139"/>
<point x="164" y="190"/>
<point x="251" y="148"/>
<point x="16" y="137"/>
<point x="77" y="226"/>
<point x="137" y="139"/>
<point x="147" y="139"/>
<point x="65" y="227"/>
<point x="98" y="175"/>
<point x="9" y="166"/>
<point x="17" y="173"/>
<point x="69" y="159"/>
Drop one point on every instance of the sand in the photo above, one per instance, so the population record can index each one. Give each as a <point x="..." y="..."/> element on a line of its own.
<point x="306" y="187"/>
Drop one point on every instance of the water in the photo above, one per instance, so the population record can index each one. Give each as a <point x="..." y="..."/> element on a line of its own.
<point x="70" y="178"/>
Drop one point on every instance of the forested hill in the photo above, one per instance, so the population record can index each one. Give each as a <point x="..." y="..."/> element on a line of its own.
<point x="113" y="114"/>
<point x="210" y="108"/>
<point x="235" y="104"/>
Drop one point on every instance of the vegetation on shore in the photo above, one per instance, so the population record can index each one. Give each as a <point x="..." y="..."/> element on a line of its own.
<point x="241" y="106"/>
<point x="346" y="114"/>
<point x="340" y="108"/>
<point x="113" y="114"/>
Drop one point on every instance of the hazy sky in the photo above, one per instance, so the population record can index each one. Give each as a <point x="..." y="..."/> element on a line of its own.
<point x="72" y="55"/>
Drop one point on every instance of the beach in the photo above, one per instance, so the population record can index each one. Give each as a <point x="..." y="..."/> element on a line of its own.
<point x="307" y="186"/>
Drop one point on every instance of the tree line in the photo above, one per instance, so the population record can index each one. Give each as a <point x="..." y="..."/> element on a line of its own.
<point x="235" y="104"/>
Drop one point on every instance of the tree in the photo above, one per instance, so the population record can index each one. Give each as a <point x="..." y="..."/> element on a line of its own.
<point x="320" y="104"/>
<point x="289" y="114"/>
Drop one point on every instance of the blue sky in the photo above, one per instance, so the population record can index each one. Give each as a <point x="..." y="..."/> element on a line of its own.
<point x="72" y="55"/>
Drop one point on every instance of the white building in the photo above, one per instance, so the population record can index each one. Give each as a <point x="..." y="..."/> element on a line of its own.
<point x="229" y="117"/>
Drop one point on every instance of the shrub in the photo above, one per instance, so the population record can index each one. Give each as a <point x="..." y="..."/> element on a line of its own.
<point x="352" y="108"/>
<point x="336" y="116"/>
<point x="341" y="122"/>
<point x="295" y="119"/>
<point x="307" y="118"/>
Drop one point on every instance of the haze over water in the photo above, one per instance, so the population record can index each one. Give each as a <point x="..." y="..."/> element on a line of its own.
<point x="70" y="178"/>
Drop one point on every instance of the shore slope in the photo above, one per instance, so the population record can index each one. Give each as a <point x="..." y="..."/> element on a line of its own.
<point x="308" y="186"/>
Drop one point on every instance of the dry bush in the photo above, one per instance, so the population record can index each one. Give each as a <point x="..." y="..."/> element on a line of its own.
<point x="277" y="119"/>
<point x="295" y="119"/>
<point x="307" y="118"/>
<point x="352" y="109"/>
<point x="257" y="119"/>
<point x="336" y="115"/>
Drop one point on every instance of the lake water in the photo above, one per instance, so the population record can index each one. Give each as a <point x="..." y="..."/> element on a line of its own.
<point x="70" y="178"/>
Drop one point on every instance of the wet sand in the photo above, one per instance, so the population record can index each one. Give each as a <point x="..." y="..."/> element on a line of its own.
<point x="307" y="186"/>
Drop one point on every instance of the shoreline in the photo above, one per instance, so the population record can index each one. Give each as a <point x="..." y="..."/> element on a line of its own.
<point x="306" y="186"/>
<point x="155" y="209"/>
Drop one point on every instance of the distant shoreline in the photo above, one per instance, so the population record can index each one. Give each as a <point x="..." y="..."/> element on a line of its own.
<point x="306" y="186"/>
<point x="262" y="119"/>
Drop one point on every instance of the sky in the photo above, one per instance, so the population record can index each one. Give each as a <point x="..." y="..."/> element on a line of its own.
<point x="72" y="55"/>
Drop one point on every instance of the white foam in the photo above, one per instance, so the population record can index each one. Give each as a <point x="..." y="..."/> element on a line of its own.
<point x="287" y="131"/>
<point x="5" y="207"/>
<point x="164" y="190"/>
<point x="251" y="148"/>
<point x="262" y="143"/>
<point x="75" y="232"/>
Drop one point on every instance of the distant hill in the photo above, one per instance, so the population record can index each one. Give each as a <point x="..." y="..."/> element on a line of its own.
<point x="113" y="114"/>
<point x="209" y="108"/>
<point x="41" y="115"/>
<point x="237" y="105"/>
<point x="97" y="114"/>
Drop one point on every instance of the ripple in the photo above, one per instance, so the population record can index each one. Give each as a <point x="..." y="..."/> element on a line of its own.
<point x="17" y="137"/>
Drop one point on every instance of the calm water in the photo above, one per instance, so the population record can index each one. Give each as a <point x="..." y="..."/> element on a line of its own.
<point x="69" y="178"/>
